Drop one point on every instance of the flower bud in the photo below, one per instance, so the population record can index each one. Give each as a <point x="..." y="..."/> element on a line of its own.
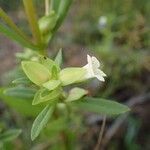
<point x="47" y="23"/>
<point x="72" y="75"/>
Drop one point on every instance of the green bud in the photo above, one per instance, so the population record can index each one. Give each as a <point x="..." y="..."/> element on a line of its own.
<point x="36" y="72"/>
<point x="71" y="75"/>
<point x="75" y="94"/>
<point x="47" y="23"/>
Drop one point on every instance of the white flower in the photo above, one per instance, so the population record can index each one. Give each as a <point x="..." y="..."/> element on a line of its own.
<point x="102" y="21"/>
<point x="93" y="70"/>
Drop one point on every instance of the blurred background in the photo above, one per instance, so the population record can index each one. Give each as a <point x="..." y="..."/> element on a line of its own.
<point x="117" y="32"/>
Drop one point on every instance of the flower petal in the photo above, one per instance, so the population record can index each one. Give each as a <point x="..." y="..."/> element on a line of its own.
<point x="99" y="77"/>
<point x="95" y="62"/>
<point x="100" y="72"/>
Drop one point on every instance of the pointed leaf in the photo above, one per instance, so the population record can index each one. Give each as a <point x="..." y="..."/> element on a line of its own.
<point x="52" y="84"/>
<point x="20" y="92"/>
<point x="62" y="11"/>
<point x="16" y="37"/>
<point x="36" y="72"/>
<point x="20" y="105"/>
<point x="48" y="63"/>
<point x="41" y="121"/>
<point x="75" y="94"/>
<point x="55" y="5"/>
<point x="22" y="80"/>
<point x="58" y="58"/>
<point x="102" y="106"/>
<point x="9" y="135"/>
<point x="43" y="95"/>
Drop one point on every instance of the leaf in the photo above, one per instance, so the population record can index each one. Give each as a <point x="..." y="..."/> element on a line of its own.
<point x="102" y="106"/>
<point x="51" y="84"/>
<point x="21" y="106"/>
<point x="16" y="37"/>
<point x="22" y="80"/>
<point x="54" y="127"/>
<point x="48" y="63"/>
<point x="36" y="72"/>
<point x="9" y="135"/>
<point x="20" y="92"/>
<point x="71" y="75"/>
<point x="55" y="4"/>
<point x="75" y="94"/>
<point x="58" y="58"/>
<point x="41" y="121"/>
<point x="62" y="11"/>
<point x="43" y="95"/>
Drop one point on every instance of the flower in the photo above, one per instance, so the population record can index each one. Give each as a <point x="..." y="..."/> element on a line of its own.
<point x="102" y="22"/>
<point x="92" y="69"/>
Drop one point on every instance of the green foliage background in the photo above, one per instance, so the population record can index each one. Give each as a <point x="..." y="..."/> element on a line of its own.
<point x="122" y="45"/>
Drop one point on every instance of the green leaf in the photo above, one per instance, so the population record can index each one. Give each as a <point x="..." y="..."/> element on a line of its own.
<point x="43" y="95"/>
<point x="102" y="106"/>
<point x="55" y="5"/>
<point x="51" y="84"/>
<point x="36" y="72"/>
<point x="16" y="37"/>
<point x="27" y="54"/>
<point x="20" y="92"/>
<point x="71" y="75"/>
<point x="48" y="63"/>
<point x="54" y="72"/>
<point x="54" y="127"/>
<point x="75" y="94"/>
<point x="9" y="135"/>
<point x="22" y="106"/>
<point x="41" y="121"/>
<point x="22" y="80"/>
<point x="58" y="58"/>
<point x="62" y="11"/>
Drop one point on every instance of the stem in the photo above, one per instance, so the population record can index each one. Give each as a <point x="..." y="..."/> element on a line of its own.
<point x="47" y="7"/>
<point x="97" y="147"/>
<point x="65" y="140"/>
<point x="11" y="24"/>
<point x="16" y="37"/>
<point x="32" y="18"/>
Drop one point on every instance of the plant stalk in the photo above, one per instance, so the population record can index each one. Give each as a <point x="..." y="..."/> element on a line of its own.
<point x="33" y="21"/>
<point x="97" y="147"/>
<point x="13" y="26"/>
<point x="47" y="7"/>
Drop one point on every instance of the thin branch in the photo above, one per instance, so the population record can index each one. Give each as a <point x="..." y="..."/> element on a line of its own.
<point x="97" y="147"/>
<point x="13" y="26"/>
<point x="47" y="6"/>
<point x="33" y="21"/>
<point x="120" y="120"/>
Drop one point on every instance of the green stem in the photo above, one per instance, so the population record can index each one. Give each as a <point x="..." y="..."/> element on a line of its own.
<point x="32" y="18"/>
<point x="16" y="37"/>
<point x="47" y="6"/>
<point x="11" y="24"/>
<point x="65" y="140"/>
